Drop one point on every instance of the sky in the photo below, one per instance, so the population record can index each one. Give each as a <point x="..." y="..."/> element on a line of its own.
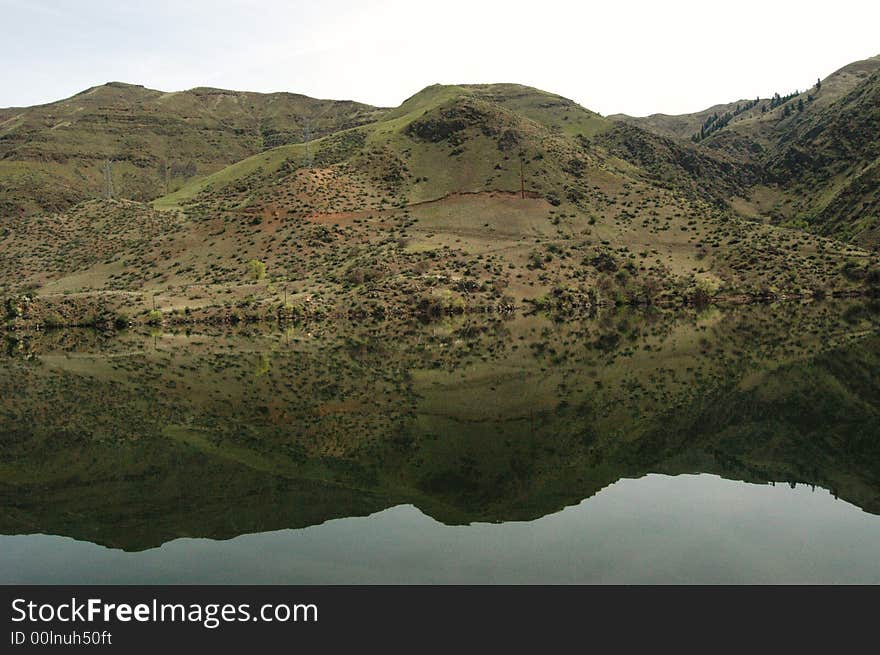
<point x="615" y="56"/>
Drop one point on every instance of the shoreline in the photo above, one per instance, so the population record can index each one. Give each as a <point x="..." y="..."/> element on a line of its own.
<point x="103" y="318"/>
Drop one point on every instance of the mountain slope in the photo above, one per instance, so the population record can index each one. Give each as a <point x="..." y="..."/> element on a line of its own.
<point x="55" y="155"/>
<point x="684" y="126"/>
<point x="830" y="162"/>
<point x="816" y="153"/>
<point x="444" y="139"/>
<point x="464" y="198"/>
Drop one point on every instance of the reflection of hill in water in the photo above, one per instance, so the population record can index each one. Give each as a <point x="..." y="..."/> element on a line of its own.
<point x="137" y="440"/>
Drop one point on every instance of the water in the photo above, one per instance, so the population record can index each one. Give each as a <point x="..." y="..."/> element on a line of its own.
<point x="657" y="529"/>
<point x="731" y="446"/>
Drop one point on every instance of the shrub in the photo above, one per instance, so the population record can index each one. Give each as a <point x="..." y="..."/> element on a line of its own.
<point x="705" y="289"/>
<point x="256" y="269"/>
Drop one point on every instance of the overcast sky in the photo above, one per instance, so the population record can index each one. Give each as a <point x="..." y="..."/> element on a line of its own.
<point x="614" y="56"/>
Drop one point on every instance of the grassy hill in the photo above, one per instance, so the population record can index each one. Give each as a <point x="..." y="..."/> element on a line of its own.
<point x="685" y="126"/>
<point x="816" y="153"/>
<point x="828" y="167"/>
<point x="464" y="198"/>
<point x="53" y="156"/>
<point x="445" y="139"/>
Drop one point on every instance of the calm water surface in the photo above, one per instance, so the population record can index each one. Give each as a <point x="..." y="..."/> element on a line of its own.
<point x="732" y="446"/>
<point x="657" y="529"/>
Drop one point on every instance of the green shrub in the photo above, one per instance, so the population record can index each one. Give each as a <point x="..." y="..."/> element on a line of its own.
<point x="256" y="269"/>
<point x="53" y="320"/>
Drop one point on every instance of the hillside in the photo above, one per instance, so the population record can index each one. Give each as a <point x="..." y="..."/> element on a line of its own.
<point x="685" y="126"/>
<point x="828" y="164"/>
<point x="816" y="153"/>
<point x="465" y="198"/>
<point x="56" y="155"/>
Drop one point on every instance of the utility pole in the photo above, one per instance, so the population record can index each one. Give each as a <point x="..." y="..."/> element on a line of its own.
<point x="522" y="179"/>
<point x="108" y="179"/>
<point x="307" y="137"/>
